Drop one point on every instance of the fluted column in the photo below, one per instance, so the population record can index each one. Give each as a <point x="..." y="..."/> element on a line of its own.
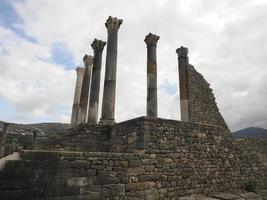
<point x="77" y="96"/>
<point x="184" y="80"/>
<point x="108" y="104"/>
<point x="82" y="116"/>
<point x="98" y="47"/>
<point x="152" y="106"/>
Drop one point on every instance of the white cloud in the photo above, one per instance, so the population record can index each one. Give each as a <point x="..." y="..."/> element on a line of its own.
<point x="226" y="40"/>
<point x="32" y="85"/>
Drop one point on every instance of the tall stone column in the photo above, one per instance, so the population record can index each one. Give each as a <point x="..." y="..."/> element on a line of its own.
<point x="3" y="140"/>
<point x="108" y="104"/>
<point x="184" y="80"/>
<point x="34" y="138"/>
<point x="98" y="47"/>
<point x="77" y="96"/>
<point x="152" y="106"/>
<point x="88" y="62"/>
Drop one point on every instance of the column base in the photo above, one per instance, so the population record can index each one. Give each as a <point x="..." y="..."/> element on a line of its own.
<point x="107" y="121"/>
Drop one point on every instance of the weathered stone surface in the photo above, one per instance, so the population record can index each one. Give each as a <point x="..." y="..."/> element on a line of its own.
<point x="250" y="196"/>
<point x="226" y="196"/>
<point x="98" y="46"/>
<point x="141" y="186"/>
<point x="108" y="104"/>
<point x="185" y="87"/>
<point x="83" y="104"/>
<point x="152" y="104"/>
<point x="77" y="96"/>
<point x="197" y="101"/>
<point x="3" y="139"/>
<point x="196" y="197"/>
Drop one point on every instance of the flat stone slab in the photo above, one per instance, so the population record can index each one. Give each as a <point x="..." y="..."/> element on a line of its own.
<point x="196" y="197"/>
<point x="226" y="196"/>
<point x="250" y="196"/>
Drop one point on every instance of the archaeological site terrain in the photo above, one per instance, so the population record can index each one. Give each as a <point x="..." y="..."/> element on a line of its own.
<point x="143" y="158"/>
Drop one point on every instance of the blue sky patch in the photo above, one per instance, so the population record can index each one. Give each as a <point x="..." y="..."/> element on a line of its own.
<point x="170" y="88"/>
<point x="62" y="56"/>
<point x="9" y="18"/>
<point x="7" y="111"/>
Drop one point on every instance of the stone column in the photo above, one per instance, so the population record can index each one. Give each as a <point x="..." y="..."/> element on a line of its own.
<point x="98" y="47"/>
<point x="34" y="138"/>
<point x="88" y="62"/>
<point x="3" y="140"/>
<point x="77" y="96"/>
<point x="152" y="106"/>
<point x="108" y="104"/>
<point x="184" y="80"/>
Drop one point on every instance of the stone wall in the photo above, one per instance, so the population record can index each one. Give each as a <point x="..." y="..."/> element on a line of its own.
<point x="88" y="137"/>
<point x="204" y="107"/>
<point x="143" y="158"/>
<point x="170" y="158"/>
<point x="106" y="175"/>
<point x="258" y="146"/>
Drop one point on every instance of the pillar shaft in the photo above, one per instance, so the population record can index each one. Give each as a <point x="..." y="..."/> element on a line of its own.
<point x="82" y="116"/>
<point x="34" y="139"/>
<point x="3" y="140"/>
<point x="108" y="104"/>
<point x="184" y="80"/>
<point x="152" y="107"/>
<point x="77" y="96"/>
<point x="98" y="47"/>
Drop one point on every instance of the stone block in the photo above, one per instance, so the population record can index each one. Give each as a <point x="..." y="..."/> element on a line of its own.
<point x="114" y="190"/>
<point x="140" y="186"/>
<point x="150" y="177"/>
<point x="134" y="163"/>
<point x="149" y="161"/>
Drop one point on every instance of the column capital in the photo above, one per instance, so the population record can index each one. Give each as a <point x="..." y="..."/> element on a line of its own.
<point x="151" y="39"/>
<point x="88" y="60"/>
<point x="113" y="23"/>
<point x="98" y="45"/>
<point x="182" y="51"/>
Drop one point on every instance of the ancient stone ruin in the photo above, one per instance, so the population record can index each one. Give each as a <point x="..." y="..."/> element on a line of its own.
<point x="141" y="158"/>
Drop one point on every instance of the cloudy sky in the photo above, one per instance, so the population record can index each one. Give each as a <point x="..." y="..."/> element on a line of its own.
<point x="43" y="41"/>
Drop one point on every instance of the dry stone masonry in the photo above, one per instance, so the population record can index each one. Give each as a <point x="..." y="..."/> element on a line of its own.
<point x="145" y="158"/>
<point x="204" y="107"/>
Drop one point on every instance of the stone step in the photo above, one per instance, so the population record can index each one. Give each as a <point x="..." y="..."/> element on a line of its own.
<point x="28" y="194"/>
<point x="89" y="196"/>
<point x="40" y="155"/>
<point x="45" y="173"/>
<point x="8" y="173"/>
<point x="37" y="164"/>
<point x="17" y="184"/>
<point x="78" y="146"/>
<point x="39" y="193"/>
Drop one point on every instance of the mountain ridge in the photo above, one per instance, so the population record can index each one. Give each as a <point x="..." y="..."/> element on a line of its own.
<point x="250" y="132"/>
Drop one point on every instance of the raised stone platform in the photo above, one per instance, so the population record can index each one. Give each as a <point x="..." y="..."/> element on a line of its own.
<point x="143" y="158"/>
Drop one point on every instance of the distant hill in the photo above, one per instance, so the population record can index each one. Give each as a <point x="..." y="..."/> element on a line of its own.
<point x="251" y="132"/>
<point x="43" y="128"/>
